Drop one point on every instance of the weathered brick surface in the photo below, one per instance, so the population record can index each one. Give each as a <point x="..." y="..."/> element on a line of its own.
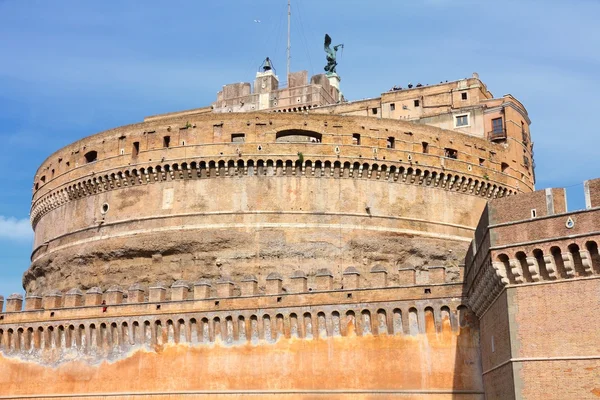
<point x="558" y="319"/>
<point x="560" y="380"/>
<point x="495" y="324"/>
<point x="593" y="192"/>
<point x="499" y="383"/>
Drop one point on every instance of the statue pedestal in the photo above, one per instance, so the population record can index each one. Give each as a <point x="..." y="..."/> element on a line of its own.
<point x="334" y="80"/>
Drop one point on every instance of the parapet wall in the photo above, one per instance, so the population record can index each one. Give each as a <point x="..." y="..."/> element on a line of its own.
<point x="205" y="337"/>
<point x="531" y="238"/>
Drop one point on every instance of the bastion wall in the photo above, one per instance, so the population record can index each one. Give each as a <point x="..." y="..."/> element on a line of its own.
<point x="180" y="197"/>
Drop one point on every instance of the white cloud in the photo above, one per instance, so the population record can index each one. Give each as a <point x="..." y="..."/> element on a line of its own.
<point x="15" y="229"/>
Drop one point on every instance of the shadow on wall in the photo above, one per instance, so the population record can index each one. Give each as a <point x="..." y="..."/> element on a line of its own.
<point x="468" y="356"/>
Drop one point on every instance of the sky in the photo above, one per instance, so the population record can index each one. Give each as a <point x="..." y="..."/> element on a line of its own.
<point x="72" y="68"/>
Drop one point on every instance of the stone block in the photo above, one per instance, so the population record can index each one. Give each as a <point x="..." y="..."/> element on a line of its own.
<point x="202" y="289"/>
<point x="33" y="302"/>
<point x="180" y="290"/>
<point x="379" y="276"/>
<point x="351" y="278"/>
<point x="225" y="287"/>
<point x="274" y="283"/>
<point x="249" y="285"/>
<point x="74" y="298"/>
<point x="406" y="276"/>
<point x="324" y="279"/>
<point x="136" y="293"/>
<point x="93" y="297"/>
<point x="157" y="293"/>
<point x="299" y="282"/>
<point x="14" y="302"/>
<point x="437" y="274"/>
<point x="114" y="295"/>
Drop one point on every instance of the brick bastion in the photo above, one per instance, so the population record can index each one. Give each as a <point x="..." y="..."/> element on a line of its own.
<point x="205" y="195"/>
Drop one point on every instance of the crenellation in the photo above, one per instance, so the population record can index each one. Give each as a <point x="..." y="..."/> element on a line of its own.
<point x="74" y="298"/>
<point x="249" y="285"/>
<point x="33" y="302"/>
<point x="136" y="293"/>
<point x="592" y="193"/>
<point x="114" y="295"/>
<point x="324" y="279"/>
<point x="157" y="292"/>
<point x="180" y="290"/>
<point x="225" y="286"/>
<point x="202" y="289"/>
<point x="14" y="302"/>
<point x="299" y="282"/>
<point x="52" y="299"/>
<point x="437" y="274"/>
<point x="351" y="278"/>
<point x="93" y="296"/>
<point x="379" y="314"/>
<point x="274" y="283"/>
<point x="379" y="276"/>
<point x="407" y="276"/>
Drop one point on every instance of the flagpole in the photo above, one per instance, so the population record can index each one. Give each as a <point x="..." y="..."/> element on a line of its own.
<point x="289" y="57"/>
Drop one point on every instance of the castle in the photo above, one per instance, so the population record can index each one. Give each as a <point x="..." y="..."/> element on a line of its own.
<point x="284" y="242"/>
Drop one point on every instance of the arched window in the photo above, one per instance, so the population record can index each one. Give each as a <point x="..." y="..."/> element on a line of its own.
<point x="91" y="156"/>
<point x="297" y="135"/>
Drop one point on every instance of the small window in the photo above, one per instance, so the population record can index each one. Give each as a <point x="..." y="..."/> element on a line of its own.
<point x="526" y="161"/>
<point x="503" y="167"/>
<point x="417" y="103"/>
<point x="166" y="141"/>
<point x="533" y="213"/>
<point x="425" y="147"/>
<point x="374" y="111"/>
<point x="356" y="138"/>
<point x="451" y="153"/>
<point x="481" y="161"/>
<point x="497" y="125"/>
<point x="463" y="95"/>
<point x="238" y="137"/>
<point x="462" y="120"/>
<point x="392" y="106"/>
<point x="391" y="142"/>
<point x="91" y="156"/>
<point x="136" y="149"/>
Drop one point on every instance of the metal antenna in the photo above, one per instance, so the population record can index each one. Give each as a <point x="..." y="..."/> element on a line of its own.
<point x="289" y="57"/>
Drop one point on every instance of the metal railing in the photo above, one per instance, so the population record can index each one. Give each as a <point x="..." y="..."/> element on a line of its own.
<point x="497" y="134"/>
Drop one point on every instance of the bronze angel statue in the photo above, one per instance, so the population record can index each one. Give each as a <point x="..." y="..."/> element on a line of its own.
<point x="331" y="55"/>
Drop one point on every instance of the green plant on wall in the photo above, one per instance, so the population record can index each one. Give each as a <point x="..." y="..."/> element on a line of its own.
<point x="485" y="176"/>
<point x="188" y="125"/>
<point x="300" y="157"/>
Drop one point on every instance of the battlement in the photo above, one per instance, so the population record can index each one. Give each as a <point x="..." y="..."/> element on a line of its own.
<point x="100" y="323"/>
<point x="225" y="288"/>
<point x="530" y="239"/>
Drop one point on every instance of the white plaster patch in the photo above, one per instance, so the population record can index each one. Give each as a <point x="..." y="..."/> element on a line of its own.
<point x="168" y="196"/>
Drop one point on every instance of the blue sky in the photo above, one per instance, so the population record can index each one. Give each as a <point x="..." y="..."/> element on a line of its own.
<point x="71" y="68"/>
